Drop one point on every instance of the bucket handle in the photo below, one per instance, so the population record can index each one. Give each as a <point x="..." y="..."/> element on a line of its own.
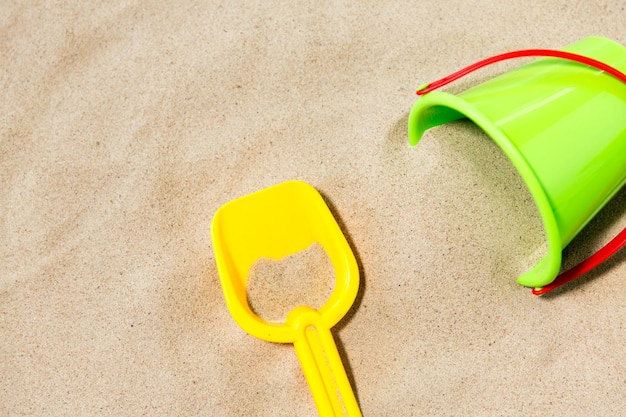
<point x="617" y="242"/>
<point x="587" y="265"/>
<point x="427" y="88"/>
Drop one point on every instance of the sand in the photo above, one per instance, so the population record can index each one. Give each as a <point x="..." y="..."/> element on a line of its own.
<point x="124" y="126"/>
<point x="275" y="287"/>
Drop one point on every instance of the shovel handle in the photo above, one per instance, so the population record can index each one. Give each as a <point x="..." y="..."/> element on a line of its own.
<point x="322" y="366"/>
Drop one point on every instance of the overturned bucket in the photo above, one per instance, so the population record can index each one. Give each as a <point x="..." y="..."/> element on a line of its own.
<point x="561" y="123"/>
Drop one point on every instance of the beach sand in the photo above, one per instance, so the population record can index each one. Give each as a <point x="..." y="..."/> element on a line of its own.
<point x="124" y="127"/>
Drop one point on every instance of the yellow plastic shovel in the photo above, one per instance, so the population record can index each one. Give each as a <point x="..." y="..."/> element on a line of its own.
<point x="274" y="223"/>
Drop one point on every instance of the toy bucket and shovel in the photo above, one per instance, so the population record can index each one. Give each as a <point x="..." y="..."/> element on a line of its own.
<point x="561" y="123"/>
<point x="274" y="223"/>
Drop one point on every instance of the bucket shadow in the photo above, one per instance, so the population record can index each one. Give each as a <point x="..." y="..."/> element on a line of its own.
<point x="397" y="138"/>
<point x="590" y="240"/>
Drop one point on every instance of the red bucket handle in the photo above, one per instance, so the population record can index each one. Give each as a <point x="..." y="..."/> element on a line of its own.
<point x="427" y="88"/>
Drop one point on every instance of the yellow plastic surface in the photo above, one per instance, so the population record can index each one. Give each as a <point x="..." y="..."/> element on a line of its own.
<point x="277" y="222"/>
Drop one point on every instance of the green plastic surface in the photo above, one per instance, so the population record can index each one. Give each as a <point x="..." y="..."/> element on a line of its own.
<point x="562" y="124"/>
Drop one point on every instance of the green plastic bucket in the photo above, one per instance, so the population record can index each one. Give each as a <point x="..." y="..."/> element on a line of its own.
<point x="562" y="124"/>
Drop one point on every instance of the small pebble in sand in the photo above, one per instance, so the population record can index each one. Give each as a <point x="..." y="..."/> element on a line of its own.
<point x="304" y="278"/>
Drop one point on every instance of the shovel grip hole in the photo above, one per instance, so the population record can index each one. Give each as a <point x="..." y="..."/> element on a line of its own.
<point x="275" y="287"/>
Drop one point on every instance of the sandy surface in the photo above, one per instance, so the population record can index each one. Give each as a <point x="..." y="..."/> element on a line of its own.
<point x="275" y="287"/>
<point x="124" y="127"/>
